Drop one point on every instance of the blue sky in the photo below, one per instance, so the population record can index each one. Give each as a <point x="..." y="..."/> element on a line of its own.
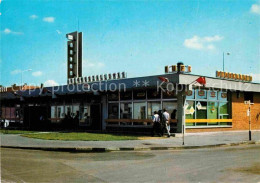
<point x="139" y="37"/>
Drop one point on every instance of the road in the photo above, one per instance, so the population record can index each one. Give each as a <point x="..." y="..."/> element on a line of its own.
<point x="229" y="164"/>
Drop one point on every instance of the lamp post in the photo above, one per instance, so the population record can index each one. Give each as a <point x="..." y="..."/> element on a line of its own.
<point x="224" y="59"/>
<point x="248" y="102"/>
<point x="22" y="75"/>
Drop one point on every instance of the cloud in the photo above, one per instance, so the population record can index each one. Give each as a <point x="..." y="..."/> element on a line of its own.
<point x="49" y="19"/>
<point x="255" y="8"/>
<point x="50" y="83"/>
<point x="202" y="43"/>
<point x="33" y="17"/>
<point x="9" y="31"/>
<point x="17" y="71"/>
<point x="37" y="73"/>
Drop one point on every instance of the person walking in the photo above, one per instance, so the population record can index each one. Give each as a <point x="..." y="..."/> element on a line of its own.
<point x="156" y="124"/>
<point x="166" y="122"/>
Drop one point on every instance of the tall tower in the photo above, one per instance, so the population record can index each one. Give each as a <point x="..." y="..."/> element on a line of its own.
<point x="74" y="60"/>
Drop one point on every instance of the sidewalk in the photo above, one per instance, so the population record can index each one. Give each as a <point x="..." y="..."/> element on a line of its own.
<point x="195" y="140"/>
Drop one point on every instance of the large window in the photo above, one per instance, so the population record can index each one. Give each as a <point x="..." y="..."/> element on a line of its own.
<point x="249" y="96"/>
<point x="153" y="106"/>
<point x="140" y="110"/>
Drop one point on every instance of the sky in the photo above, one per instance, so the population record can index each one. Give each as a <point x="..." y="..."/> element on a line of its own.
<point x="139" y="37"/>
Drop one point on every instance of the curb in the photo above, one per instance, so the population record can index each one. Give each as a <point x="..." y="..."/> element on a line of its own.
<point x="110" y="149"/>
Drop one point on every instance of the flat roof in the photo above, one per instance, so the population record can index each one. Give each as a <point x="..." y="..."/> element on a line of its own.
<point x="134" y="83"/>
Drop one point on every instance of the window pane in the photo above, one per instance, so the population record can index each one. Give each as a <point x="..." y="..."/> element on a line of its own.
<point x="153" y="106"/>
<point x="212" y="95"/>
<point x="249" y="96"/>
<point x="113" y="111"/>
<point x="139" y="95"/>
<point x="126" y="110"/>
<point x="170" y="107"/>
<point x="201" y="110"/>
<point x="190" y="110"/>
<point x="153" y="94"/>
<point x="126" y="95"/>
<point x="201" y="94"/>
<point x="222" y="96"/>
<point x="223" y="107"/>
<point x="213" y="112"/>
<point x="53" y="112"/>
<point x="190" y="94"/>
<point x="140" y="110"/>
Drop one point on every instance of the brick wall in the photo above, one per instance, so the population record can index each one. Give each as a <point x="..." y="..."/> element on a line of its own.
<point x="239" y="115"/>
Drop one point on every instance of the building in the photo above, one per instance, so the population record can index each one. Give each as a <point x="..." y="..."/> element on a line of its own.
<point x="127" y="104"/>
<point x="112" y="102"/>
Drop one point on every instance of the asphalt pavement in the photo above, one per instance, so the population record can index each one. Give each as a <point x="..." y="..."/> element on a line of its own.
<point x="224" y="164"/>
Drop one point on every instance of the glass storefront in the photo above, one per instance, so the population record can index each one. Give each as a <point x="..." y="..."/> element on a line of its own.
<point x="207" y="104"/>
<point x="140" y="104"/>
<point x="200" y="104"/>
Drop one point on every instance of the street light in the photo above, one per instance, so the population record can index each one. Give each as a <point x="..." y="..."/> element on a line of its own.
<point x="224" y="59"/>
<point x="22" y="75"/>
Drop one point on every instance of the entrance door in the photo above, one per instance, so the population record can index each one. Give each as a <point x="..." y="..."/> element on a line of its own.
<point x="95" y="115"/>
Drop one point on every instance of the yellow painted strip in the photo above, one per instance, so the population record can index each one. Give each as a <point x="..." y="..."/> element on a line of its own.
<point x="207" y="120"/>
